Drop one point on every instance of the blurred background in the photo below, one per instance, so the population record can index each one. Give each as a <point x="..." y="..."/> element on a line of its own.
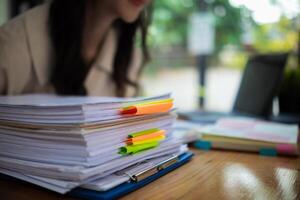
<point x="200" y="47"/>
<point x="240" y="28"/>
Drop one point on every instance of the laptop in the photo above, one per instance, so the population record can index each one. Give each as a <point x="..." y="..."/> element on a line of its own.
<point x="260" y="83"/>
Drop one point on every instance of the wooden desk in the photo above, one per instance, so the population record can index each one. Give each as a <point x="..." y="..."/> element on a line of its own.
<point x="210" y="175"/>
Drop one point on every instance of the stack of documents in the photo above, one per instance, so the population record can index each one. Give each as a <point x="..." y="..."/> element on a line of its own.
<point x="248" y="134"/>
<point x="63" y="142"/>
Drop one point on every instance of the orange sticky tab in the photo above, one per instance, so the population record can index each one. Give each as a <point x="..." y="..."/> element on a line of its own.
<point x="154" y="139"/>
<point x="148" y="108"/>
<point x="148" y="136"/>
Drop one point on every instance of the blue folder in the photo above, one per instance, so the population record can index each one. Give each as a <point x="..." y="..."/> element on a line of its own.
<point x="128" y="187"/>
<point x="124" y="188"/>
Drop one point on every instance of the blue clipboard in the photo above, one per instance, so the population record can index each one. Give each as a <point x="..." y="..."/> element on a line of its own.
<point x="128" y="187"/>
<point x="122" y="189"/>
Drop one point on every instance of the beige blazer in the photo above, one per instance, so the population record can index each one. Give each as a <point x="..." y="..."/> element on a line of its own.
<point x="26" y="55"/>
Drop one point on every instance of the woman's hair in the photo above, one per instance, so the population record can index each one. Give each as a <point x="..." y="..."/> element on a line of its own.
<point x="66" y="23"/>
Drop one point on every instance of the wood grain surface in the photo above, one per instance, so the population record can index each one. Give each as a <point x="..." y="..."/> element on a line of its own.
<point x="210" y="175"/>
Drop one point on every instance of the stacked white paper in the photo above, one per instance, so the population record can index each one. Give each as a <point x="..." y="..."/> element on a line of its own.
<point x="63" y="142"/>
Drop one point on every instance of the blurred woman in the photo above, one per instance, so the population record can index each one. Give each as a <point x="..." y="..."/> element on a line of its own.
<point x="82" y="47"/>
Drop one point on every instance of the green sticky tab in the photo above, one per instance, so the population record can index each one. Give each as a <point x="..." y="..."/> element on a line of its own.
<point x="145" y="132"/>
<point x="132" y="149"/>
<point x="202" y="91"/>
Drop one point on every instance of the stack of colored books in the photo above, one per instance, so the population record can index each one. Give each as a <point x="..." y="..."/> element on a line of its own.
<point x="250" y="134"/>
<point x="64" y="142"/>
